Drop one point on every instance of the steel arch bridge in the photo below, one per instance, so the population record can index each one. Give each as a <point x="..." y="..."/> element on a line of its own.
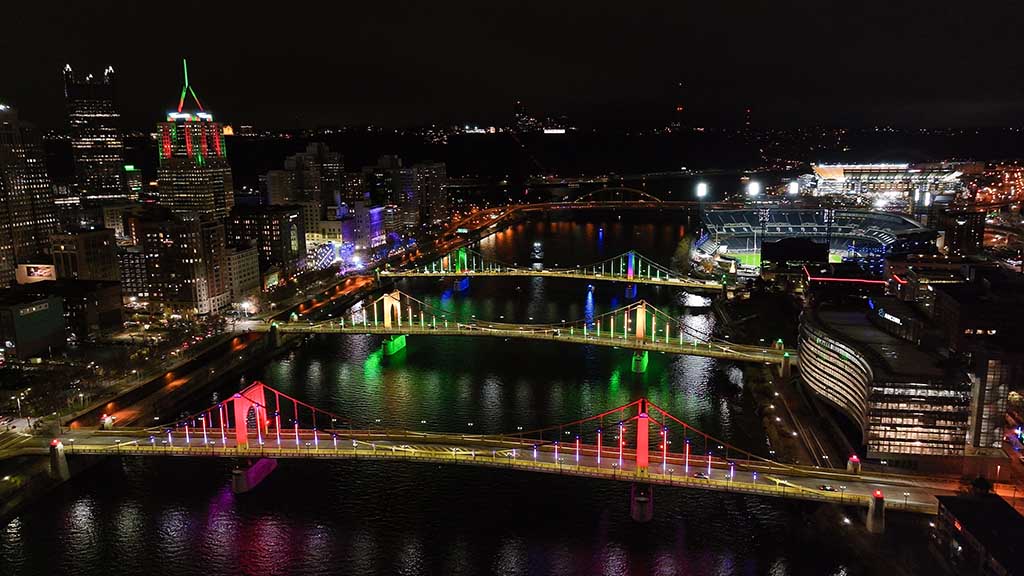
<point x="599" y="194"/>
<point x="638" y="442"/>
<point x="639" y="326"/>
<point x="628" y="267"/>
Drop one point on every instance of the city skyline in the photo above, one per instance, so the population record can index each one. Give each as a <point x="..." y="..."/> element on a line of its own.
<point x="794" y="65"/>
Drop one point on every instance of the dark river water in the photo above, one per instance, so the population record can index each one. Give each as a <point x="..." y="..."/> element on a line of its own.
<point x="179" y="516"/>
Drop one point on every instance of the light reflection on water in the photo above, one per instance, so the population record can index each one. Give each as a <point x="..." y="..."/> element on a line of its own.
<point x="170" y="516"/>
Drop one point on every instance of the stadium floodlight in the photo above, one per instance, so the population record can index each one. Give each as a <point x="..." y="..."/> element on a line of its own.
<point x="794" y="188"/>
<point x="753" y="188"/>
<point x="702" y="189"/>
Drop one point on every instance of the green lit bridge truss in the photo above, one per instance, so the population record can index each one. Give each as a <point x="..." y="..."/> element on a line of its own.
<point x="638" y="326"/>
<point x="629" y="267"/>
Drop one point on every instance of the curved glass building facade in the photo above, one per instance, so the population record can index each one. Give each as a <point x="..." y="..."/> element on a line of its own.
<point x="902" y="399"/>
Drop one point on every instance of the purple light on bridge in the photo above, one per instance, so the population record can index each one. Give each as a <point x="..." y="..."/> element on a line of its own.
<point x="687" y="457"/>
<point x="577" y="449"/>
<point x="187" y="439"/>
<point x="316" y="440"/>
<point x="296" y="434"/>
<point x="169" y="441"/>
<point x="205" y="439"/>
<point x="709" y="464"/>
<point x="598" y="447"/>
<point x="277" y="427"/>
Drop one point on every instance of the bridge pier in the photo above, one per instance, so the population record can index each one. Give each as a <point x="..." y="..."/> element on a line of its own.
<point x="245" y="479"/>
<point x="58" y="461"/>
<point x="641" y="502"/>
<point x="274" y="336"/>
<point x="787" y="366"/>
<point x="393" y="344"/>
<point x="876" y="513"/>
<point x="640" y="358"/>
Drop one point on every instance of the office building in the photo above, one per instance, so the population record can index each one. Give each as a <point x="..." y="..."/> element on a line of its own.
<point x="963" y="231"/>
<point x="193" y="176"/>
<point x="96" y="143"/>
<point x="30" y="325"/>
<point x="243" y="271"/>
<point x="131" y="263"/>
<point x="90" y="307"/>
<point x="905" y="403"/>
<point x="85" y="255"/>
<point x="27" y="214"/>
<point x="977" y="534"/>
<point x="277" y="232"/>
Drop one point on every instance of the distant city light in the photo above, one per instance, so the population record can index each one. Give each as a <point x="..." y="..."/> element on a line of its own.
<point x="753" y="188"/>
<point x="702" y="189"/>
<point x="793" y="189"/>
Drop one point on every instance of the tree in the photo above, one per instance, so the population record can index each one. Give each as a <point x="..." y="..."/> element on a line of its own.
<point x="681" y="259"/>
<point x="980" y="486"/>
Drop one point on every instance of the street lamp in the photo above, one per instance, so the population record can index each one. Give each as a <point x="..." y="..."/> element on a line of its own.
<point x="906" y="496"/>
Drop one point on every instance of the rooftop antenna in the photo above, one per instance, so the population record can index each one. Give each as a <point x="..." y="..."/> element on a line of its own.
<point x="187" y="88"/>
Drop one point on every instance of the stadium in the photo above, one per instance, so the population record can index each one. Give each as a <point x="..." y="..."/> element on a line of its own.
<point x="738" y="233"/>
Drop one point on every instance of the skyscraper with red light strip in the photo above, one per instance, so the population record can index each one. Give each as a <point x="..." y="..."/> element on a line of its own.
<point x="193" y="176"/>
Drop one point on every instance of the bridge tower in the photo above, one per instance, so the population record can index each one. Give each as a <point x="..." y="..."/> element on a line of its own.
<point x="876" y="513"/>
<point x="392" y="316"/>
<point x="252" y="398"/>
<point x="58" y="461"/>
<point x="640" y="357"/>
<point x="630" y="264"/>
<point x="641" y="496"/>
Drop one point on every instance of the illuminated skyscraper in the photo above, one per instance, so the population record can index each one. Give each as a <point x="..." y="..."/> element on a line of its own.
<point x="27" y="215"/>
<point x="96" y="142"/>
<point x="194" y="176"/>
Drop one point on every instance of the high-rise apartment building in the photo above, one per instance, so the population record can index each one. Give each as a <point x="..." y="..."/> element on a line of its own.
<point x="96" y="142"/>
<point x="277" y="231"/>
<point x="432" y="193"/>
<point x="27" y="214"/>
<point x="193" y="176"/>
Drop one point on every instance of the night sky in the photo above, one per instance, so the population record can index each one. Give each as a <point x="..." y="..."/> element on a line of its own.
<point x="304" y="64"/>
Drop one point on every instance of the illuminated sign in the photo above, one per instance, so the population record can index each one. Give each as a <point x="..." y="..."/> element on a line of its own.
<point x="29" y="273"/>
<point x="462" y="230"/>
<point x="889" y="317"/>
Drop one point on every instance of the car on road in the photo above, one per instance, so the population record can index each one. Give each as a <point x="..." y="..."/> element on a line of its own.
<point x="701" y="475"/>
<point x="826" y="488"/>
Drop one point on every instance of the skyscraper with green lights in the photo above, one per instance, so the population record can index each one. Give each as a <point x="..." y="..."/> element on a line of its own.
<point x="193" y="175"/>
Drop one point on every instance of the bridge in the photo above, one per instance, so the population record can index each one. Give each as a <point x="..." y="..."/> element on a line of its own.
<point x="629" y="267"/>
<point x="638" y="442"/>
<point x="639" y="326"/>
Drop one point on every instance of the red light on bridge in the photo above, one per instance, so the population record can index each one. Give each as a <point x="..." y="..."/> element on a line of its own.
<point x="854" y="458"/>
<point x="55" y="442"/>
<point x="878" y="494"/>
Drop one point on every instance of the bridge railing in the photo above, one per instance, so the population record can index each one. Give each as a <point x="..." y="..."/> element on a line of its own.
<point x="567" y="334"/>
<point x="502" y="459"/>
